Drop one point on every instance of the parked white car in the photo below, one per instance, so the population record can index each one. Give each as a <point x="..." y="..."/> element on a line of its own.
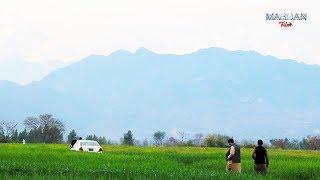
<point x="86" y="145"/>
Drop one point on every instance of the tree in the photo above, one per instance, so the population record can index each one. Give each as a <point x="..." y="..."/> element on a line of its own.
<point x="158" y="137"/>
<point x="99" y="139"/>
<point x="128" y="138"/>
<point x="294" y="144"/>
<point x="92" y="137"/>
<point x="304" y="144"/>
<point x="7" y="130"/>
<point x="23" y="135"/>
<point x="2" y="136"/>
<point x="55" y="135"/>
<point x="95" y="138"/>
<point x="145" y="142"/>
<point x="35" y="135"/>
<point x="248" y="143"/>
<point x="189" y="143"/>
<point x="72" y="136"/>
<point x="171" y="142"/>
<point x="183" y="135"/>
<point x="280" y="143"/>
<point x="89" y="137"/>
<point x="216" y="140"/>
<point x="44" y="128"/>
<point x="314" y="142"/>
<point x="198" y="139"/>
<point x="32" y="122"/>
<point x="14" y="136"/>
<point x="102" y="140"/>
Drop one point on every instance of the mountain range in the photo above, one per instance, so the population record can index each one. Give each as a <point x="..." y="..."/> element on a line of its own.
<point x="238" y="93"/>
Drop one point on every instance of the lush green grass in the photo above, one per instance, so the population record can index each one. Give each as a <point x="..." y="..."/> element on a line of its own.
<point x="122" y="162"/>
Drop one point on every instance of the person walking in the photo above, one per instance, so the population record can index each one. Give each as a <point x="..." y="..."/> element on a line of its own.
<point x="260" y="158"/>
<point x="233" y="157"/>
<point x="227" y="160"/>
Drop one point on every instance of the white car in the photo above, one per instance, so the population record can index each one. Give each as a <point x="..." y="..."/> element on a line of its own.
<point x="86" y="145"/>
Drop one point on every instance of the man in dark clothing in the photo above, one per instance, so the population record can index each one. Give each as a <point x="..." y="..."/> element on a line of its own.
<point x="260" y="157"/>
<point x="72" y="143"/>
<point x="233" y="157"/>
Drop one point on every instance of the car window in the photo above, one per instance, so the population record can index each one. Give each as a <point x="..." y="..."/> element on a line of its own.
<point x="89" y="143"/>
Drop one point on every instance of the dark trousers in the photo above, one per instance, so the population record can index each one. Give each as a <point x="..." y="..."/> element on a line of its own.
<point x="261" y="168"/>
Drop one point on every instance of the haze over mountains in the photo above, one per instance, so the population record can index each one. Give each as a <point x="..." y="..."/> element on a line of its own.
<point x="239" y="93"/>
<point x="23" y="72"/>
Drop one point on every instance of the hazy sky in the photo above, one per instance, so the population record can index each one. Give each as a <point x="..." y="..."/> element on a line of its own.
<point x="67" y="30"/>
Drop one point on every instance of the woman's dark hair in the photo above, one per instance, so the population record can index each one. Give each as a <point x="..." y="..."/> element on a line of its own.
<point x="260" y="142"/>
<point x="230" y="141"/>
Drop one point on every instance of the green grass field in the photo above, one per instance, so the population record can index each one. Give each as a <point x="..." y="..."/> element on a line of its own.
<point x="56" y="161"/>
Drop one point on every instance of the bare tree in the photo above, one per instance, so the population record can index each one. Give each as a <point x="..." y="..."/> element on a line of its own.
<point x="183" y="135"/>
<point x="7" y="129"/>
<point x="198" y="139"/>
<point x="32" y="122"/>
<point x="42" y="121"/>
<point x="50" y="121"/>
<point x="171" y="142"/>
<point x="314" y="142"/>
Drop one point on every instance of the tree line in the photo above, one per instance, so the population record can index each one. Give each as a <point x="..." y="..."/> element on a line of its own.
<point x="42" y="129"/>
<point x="102" y="140"/>
<point x="218" y="140"/>
<point x="47" y="129"/>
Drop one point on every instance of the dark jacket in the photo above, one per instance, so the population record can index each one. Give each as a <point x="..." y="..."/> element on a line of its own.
<point x="260" y="155"/>
<point x="236" y="157"/>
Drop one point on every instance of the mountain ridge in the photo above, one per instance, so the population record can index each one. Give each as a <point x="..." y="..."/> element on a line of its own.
<point x="208" y="90"/>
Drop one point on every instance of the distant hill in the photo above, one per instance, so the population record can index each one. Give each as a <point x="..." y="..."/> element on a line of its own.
<point x="239" y="93"/>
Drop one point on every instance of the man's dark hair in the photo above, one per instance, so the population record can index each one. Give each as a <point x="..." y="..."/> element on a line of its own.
<point x="230" y="141"/>
<point x="260" y="142"/>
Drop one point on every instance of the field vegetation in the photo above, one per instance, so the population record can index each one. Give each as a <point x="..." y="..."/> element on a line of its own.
<point x="56" y="161"/>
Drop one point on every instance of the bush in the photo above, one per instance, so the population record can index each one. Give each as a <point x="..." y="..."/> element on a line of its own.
<point x="248" y="143"/>
<point x="216" y="140"/>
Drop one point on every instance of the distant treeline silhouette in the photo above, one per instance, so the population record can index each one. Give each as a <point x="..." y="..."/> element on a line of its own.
<point x="47" y="129"/>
